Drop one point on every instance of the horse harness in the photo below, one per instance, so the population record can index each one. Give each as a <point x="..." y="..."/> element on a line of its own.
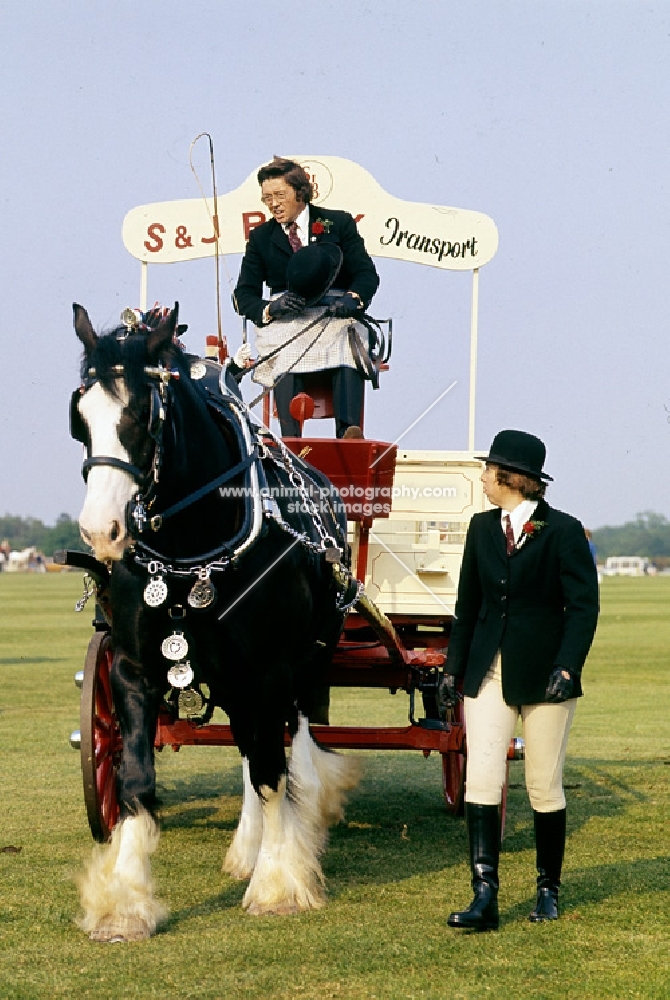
<point x="254" y="447"/>
<point x="186" y="692"/>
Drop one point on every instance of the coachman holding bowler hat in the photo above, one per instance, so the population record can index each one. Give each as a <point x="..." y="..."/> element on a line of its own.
<point x="525" y="618"/>
<point x="309" y="258"/>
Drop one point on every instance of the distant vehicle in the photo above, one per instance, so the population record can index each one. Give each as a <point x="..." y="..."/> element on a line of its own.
<point x="627" y="566"/>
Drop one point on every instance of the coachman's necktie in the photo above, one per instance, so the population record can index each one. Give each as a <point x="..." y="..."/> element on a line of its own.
<point x="293" y="237"/>
<point x="509" y="534"/>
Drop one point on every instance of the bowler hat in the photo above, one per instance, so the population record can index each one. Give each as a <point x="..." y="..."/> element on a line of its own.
<point x="519" y="452"/>
<point x="312" y="270"/>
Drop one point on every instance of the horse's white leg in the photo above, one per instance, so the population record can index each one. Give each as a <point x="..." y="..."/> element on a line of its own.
<point x="116" y="890"/>
<point x="288" y="876"/>
<point x="326" y="776"/>
<point x="243" y="851"/>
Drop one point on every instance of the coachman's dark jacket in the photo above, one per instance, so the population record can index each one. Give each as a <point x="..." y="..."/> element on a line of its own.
<point x="269" y="251"/>
<point x="538" y="606"/>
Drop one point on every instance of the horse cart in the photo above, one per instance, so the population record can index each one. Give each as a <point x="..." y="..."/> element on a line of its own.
<point x="407" y="512"/>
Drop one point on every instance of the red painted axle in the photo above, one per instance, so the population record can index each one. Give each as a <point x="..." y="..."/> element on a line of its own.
<point x="181" y="732"/>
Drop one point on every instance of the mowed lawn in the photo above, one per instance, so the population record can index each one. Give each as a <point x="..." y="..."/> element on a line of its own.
<point x="395" y="868"/>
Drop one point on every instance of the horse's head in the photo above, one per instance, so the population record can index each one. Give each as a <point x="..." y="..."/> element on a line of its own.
<point x="114" y="414"/>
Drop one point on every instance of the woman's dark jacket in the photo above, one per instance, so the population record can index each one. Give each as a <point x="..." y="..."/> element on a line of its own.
<point x="538" y="606"/>
<point x="269" y="251"/>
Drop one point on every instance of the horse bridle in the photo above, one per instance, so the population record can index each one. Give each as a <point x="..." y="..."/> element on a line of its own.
<point x="136" y="516"/>
<point x="158" y="381"/>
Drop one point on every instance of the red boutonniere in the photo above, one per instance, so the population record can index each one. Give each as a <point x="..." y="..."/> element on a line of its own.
<point x="321" y="226"/>
<point x="530" y="529"/>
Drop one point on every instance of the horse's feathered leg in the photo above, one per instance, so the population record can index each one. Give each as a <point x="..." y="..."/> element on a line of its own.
<point x="288" y="876"/>
<point x="325" y="777"/>
<point x="117" y="893"/>
<point x="116" y="889"/>
<point x="243" y="851"/>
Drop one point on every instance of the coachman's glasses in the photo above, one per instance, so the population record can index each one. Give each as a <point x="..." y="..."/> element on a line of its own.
<point x="268" y="199"/>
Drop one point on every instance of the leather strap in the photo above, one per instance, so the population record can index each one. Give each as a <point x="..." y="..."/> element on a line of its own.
<point x="115" y="463"/>
<point x="367" y="363"/>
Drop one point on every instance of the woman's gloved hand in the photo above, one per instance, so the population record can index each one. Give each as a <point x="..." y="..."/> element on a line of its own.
<point x="288" y="304"/>
<point x="348" y="305"/>
<point x="561" y="686"/>
<point x="446" y="695"/>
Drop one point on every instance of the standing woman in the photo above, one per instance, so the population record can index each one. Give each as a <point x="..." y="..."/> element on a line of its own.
<point x="525" y="618"/>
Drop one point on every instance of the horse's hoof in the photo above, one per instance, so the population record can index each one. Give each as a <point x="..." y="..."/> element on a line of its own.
<point x="120" y="932"/>
<point x="238" y="874"/>
<point x="238" y="868"/>
<point x="272" y="909"/>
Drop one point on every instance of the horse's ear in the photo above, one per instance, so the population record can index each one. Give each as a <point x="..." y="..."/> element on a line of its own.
<point x="83" y="328"/>
<point x="162" y="336"/>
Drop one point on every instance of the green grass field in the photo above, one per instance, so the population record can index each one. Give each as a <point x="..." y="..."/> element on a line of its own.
<point x="395" y="868"/>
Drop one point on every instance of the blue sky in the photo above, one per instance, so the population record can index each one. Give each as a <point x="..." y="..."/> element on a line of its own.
<point x="551" y="117"/>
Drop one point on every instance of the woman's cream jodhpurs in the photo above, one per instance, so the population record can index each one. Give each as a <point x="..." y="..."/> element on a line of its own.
<point x="489" y="727"/>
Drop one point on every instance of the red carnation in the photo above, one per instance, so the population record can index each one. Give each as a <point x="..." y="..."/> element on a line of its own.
<point x="317" y="228"/>
<point x="528" y="528"/>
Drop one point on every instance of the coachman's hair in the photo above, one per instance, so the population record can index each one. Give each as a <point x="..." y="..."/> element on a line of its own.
<point x="292" y="173"/>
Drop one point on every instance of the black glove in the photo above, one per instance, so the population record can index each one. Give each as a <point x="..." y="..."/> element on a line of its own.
<point x="346" y="306"/>
<point x="288" y="304"/>
<point x="446" y="695"/>
<point x="560" y="688"/>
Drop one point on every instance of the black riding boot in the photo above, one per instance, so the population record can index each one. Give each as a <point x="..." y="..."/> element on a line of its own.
<point x="484" y="837"/>
<point x="549" y="847"/>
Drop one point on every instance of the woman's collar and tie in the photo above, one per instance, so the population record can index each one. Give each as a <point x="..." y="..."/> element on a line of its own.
<point x="512" y="521"/>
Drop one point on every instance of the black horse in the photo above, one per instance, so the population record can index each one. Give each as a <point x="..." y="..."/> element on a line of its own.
<point x="221" y="547"/>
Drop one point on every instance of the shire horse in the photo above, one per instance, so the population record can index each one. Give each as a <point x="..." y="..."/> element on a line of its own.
<point x="232" y="593"/>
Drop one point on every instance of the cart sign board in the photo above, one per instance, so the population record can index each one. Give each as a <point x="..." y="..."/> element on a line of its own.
<point x="450" y="238"/>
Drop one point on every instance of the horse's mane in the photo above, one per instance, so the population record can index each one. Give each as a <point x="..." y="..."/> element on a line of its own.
<point x="116" y="348"/>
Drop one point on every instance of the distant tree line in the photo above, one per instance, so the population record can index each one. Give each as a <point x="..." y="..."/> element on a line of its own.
<point x="23" y="532"/>
<point x="648" y="535"/>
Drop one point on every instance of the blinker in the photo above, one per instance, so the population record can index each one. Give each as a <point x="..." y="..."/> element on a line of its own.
<point x="77" y="424"/>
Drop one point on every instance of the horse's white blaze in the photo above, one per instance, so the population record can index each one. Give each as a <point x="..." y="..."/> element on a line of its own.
<point x="103" y="516"/>
<point x="288" y="876"/>
<point x="243" y="851"/>
<point x="116" y="891"/>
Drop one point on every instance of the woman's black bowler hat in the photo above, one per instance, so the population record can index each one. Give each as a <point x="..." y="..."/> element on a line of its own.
<point x="519" y="452"/>
<point x="312" y="270"/>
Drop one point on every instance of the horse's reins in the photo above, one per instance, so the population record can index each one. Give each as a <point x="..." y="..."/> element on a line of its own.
<point x="157" y="520"/>
<point x="271" y="354"/>
<point x="268" y="389"/>
<point x="367" y="362"/>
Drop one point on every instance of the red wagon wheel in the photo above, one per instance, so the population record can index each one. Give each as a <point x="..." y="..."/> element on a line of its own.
<point x="453" y="768"/>
<point x="101" y="744"/>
